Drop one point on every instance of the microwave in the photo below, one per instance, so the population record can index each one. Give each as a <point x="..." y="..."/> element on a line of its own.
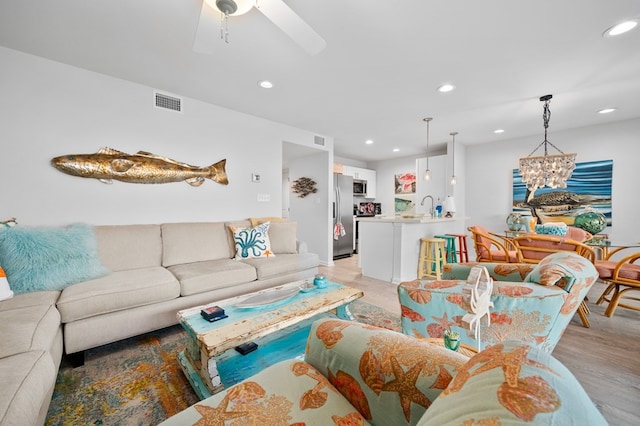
<point x="359" y="187"/>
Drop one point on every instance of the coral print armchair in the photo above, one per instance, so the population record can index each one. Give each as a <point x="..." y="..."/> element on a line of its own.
<point x="353" y="374"/>
<point x="532" y="303"/>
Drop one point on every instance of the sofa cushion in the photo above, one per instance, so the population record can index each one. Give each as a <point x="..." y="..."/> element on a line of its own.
<point x="282" y="264"/>
<point x="290" y="392"/>
<point x="194" y="242"/>
<point x="283" y="237"/>
<point x="35" y="298"/>
<point x="49" y="258"/>
<point x="117" y="291"/>
<point x="28" y="379"/>
<point x="28" y="328"/>
<point x="513" y="383"/>
<point x="123" y="247"/>
<point x="199" y="277"/>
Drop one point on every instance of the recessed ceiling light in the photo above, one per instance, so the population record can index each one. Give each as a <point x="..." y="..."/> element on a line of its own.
<point x="396" y="149"/>
<point x="498" y="131"/>
<point x="368" y="141"/>
<point x="446" y="88"/>
<point x="621" y="28"/>
<point x="606" y="110"/>
<point x="265" y="84"/>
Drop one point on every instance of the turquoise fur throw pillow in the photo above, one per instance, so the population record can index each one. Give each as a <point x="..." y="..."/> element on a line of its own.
<point x="37" y="259"/>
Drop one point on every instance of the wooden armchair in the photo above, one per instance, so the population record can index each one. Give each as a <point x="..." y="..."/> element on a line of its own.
<point x="492" y="247"/>
<point x="622" y="275"/>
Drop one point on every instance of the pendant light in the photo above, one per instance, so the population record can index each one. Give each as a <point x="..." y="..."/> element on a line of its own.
<point x="427" y="173"/>
<point x="546" y="170"/>
<point x="453" y="157"/>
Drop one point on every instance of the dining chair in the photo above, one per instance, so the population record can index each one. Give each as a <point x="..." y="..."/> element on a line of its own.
<point x="531" y="248"/>
<point x="622" y="275"/>
<point x="491" y="247"/>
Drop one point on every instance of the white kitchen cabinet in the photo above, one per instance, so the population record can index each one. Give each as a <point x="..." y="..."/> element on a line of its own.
<point x="363" y="174"/>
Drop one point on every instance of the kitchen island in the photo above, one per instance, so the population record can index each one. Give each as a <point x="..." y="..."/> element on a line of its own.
<point x="389" y="246"/>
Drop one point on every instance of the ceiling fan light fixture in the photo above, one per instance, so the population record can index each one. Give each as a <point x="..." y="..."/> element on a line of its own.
<point x="233" y="7"/>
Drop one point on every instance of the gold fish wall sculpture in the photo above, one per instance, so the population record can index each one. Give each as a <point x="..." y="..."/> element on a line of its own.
<point x="143" y="167"/>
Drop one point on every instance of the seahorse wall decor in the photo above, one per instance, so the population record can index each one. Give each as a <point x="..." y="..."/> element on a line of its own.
<point x="304" y="186"/>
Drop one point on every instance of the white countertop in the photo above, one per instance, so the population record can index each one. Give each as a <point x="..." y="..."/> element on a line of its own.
<point x="415" y="219"/>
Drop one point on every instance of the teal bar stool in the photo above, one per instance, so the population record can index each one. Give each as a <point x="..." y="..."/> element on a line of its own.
<point x="449" y="247"/>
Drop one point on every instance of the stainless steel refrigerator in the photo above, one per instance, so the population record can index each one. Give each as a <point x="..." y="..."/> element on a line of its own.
<point x="342" y="216"/>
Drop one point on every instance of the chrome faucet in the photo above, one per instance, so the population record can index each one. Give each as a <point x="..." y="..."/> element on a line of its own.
<point x="432" y="211"/>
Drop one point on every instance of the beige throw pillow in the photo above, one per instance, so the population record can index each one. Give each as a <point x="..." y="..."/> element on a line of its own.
<point x="283" y="237"/>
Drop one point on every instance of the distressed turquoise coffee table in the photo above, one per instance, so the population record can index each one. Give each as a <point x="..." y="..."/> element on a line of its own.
<point x="279" y="327"/>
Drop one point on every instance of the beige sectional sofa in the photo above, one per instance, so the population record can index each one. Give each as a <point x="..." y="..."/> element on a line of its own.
<point x="155" y="270"/>
<point x="30" y="353"/>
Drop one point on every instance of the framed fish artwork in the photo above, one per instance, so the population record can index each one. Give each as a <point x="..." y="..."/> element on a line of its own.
<point x="109" y="164"/>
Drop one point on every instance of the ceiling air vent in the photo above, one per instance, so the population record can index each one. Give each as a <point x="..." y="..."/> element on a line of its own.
<point x="318" y="140"/>
<point x="167" y="102"/>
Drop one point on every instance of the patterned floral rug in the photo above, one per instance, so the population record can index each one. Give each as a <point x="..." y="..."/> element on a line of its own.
<point x="138" y="381"/>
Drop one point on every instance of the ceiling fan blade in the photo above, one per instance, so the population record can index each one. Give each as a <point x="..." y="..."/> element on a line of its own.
<point x="208" y="31"/>
<point x="292" y="25"/>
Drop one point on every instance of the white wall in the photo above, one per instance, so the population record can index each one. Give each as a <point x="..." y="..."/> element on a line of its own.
<point x="385" y="173"/>
<point x="314" y="212"/>
<point x="489" y="173"/>
<point x="350" y="162"/>
<point x="50" y="109"/>
<point x="441" y="167"/>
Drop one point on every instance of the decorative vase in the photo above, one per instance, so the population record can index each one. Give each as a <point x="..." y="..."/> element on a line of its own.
<point x="529" y="223"/>
<point x="320" y="281"/>
<point x="591" y="221"/>
<point x="513" y="222"/>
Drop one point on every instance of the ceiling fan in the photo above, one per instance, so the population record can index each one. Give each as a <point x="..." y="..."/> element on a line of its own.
<point x="277" y="12"/>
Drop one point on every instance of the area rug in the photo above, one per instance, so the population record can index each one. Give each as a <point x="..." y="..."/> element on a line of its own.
<point x="138" y="381"/>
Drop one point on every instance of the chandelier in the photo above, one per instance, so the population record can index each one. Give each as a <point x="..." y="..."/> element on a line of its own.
<point x="546" y="170"/>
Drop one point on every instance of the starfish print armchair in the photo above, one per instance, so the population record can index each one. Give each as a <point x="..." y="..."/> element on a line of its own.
<point x="354" y="374"/>
<point x="533" y="303"/>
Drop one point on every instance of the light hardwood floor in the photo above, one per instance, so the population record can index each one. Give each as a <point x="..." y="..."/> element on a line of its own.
<point x="605" y="358"/>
